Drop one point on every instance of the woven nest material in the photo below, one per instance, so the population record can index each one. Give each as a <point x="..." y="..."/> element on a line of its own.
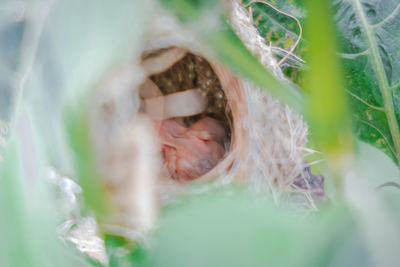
<point x="265" y="139"/>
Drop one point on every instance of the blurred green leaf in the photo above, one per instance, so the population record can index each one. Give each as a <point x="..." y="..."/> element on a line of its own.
<point x="370" y="41"/>
<point x="190" y="10"/>
<point x="25" y="200"/>
<point x="94" y="191"/>
<point x="81" y="42"/>
<point x="12" y="212"/>
<point x="377" y="166"/>
<point x="231" y="51"/>
<point x="235" y="229"/>
<point x="327" y="109"/>
<point x="124" y="252"/>
<point x="10" y="45"/>
<point x="90" y="37"/>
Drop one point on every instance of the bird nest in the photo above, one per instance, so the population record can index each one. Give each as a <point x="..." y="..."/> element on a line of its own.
<point x="175" y="115"/>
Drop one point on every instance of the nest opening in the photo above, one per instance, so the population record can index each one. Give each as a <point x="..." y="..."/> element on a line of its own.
<point x="173" y="71"/>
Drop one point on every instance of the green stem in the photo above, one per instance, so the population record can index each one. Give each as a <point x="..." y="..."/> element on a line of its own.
<point x="384" y="87"/>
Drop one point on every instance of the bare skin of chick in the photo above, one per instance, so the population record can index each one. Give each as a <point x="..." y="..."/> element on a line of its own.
<point x="191" y="152"/>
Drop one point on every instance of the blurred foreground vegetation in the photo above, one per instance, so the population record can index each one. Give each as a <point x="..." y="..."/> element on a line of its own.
<point x="346" y="82"/>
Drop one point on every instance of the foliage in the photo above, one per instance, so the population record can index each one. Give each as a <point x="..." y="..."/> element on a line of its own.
<point x="231" y="50"/>
<point x="282" y="32"/>
<point x="245" y="231"/>
<point x="370" y="50"/>
<point x="28" y="239"/>
<point x="327" y="109"/>
<point x="67" y="53"/>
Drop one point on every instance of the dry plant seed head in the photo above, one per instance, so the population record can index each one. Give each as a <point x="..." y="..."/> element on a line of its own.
<point x="198" y="121"/>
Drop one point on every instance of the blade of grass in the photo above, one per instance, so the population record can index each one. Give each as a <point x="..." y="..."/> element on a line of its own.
<point x="327" y="109"/>
<point x="214" y="30"/>
<point x="94" y="191"/>
<point x="230" y="50"/>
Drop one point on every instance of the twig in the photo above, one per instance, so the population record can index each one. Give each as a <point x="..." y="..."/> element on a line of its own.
<point x="287" y="52"/>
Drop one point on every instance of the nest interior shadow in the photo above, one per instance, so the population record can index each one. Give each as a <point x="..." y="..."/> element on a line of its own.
<point x="182" y="71"/>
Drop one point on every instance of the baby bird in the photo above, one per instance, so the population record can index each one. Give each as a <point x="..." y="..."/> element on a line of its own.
<point x="190" y="152"/>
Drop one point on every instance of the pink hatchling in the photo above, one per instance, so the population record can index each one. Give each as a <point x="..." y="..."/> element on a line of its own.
<point x="191" y="152"/>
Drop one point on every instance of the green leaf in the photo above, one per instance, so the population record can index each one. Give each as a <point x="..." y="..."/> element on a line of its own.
<point x="81" y="42"/>
<point x="231" y="51"/>
<point x="190" y="10"/>
<point x="124" y="252"/>
<point x="10" y="45"/>
<point x="327" y="109"/>
<point x="28" y="211"/>
<point x="94" y="191"/>
<point x="370" y="39"/>
<point x="213" y="29"/>
<point x="88" y="37"/>
<point x="369" y="157"/>
<point x="234" y="229"/>
<point x="277" y="24"/>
